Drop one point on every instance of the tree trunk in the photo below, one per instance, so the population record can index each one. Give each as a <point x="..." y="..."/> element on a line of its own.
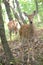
<point x="8" y="13"/>
<point x="38" y="16"/>
<point x="36" y="3"/>
<point x="8" y="9"/>
<point x="19" y="10"/>
<point x="16" y="16"/>
<point x="3" y="39"/>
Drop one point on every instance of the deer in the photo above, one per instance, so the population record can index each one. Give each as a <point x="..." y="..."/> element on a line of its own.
<point x="27" y="30"/>
<point x="27" y="33"/>
<point x="12" y="26"/>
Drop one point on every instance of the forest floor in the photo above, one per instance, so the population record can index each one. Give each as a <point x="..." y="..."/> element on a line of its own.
<point x="15" y="47"/>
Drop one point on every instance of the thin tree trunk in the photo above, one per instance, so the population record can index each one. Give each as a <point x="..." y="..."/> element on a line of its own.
<point x="38" y="16"/>
<point x="36" y="3"/>
<point x="8" y="9"/>
<point x="3" y="39"/>
<point x="8" y="13"/>
<point x="19" y="10"/>
<point x="16" y="16"/>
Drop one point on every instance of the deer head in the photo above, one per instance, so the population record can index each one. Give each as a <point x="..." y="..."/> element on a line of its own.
<point x="30" y="17"/>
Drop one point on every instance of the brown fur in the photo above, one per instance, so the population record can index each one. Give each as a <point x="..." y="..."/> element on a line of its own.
<point x="27" y="30"/>
<point x="12" y="25"/>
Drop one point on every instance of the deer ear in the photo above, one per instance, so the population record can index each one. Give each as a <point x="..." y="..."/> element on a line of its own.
<point x="25" y="14"/>
<point x="34" y="12"/>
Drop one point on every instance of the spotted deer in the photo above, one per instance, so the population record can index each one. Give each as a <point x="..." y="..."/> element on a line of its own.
<point x="12" y="26"/>
<point x="27" y="34"/>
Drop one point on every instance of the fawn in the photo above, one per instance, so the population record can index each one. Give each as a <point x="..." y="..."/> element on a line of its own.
<point x="28" y="35"/>
<point x="27" y="30"/>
